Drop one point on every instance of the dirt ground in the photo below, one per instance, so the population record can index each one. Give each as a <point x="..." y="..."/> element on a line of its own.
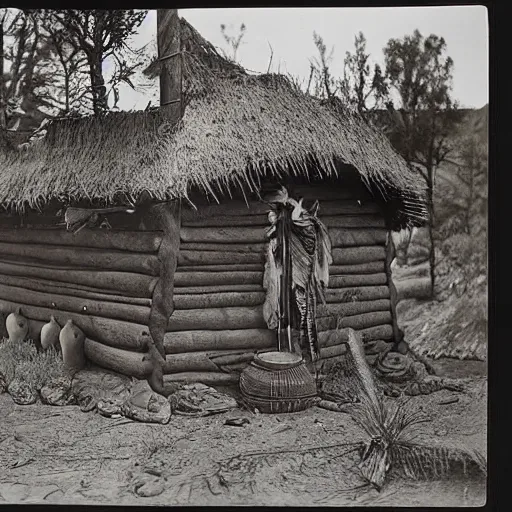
<point x="62" y="455"/>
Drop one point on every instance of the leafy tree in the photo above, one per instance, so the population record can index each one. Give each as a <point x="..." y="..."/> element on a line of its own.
<point x="420" y="74"/>
<point x="233" y="42"/>
<point x="362" y="87"/>
<point x="100" y="35"/>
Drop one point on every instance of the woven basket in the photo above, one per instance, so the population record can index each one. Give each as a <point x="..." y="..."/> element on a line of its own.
<point x="278" y="382"/>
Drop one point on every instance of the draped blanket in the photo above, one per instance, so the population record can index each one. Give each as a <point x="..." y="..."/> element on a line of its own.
<point x="310" y="249"/>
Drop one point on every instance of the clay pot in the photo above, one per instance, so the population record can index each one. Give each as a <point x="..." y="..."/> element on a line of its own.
<point x="71" y="340"/>
<point x="50" y="334"/>
<point x="17" y="326"/>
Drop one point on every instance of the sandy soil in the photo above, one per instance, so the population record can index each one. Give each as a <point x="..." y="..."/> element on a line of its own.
<point x="61" y="455"/>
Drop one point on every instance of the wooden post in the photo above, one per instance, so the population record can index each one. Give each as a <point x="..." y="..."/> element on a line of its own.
<point x="171" y="107"/>
<point x="169" y="53"/>
<point x="390" y="254"/>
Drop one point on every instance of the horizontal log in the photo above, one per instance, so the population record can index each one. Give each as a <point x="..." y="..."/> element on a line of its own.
<point x="229" y="208"/>
<point x="337" y="336"/>
<point x="224" y="235"/>
<point x="352" y="308"/>
<point x="115" y="333"/>
<point x="357" y="237"/>
<point x="353" y="221"/>
<point x="334" y="351"/>
<point x="413" y="288"/>
<point x="127" y="312"/>
<point x="356" y="294"/>
<point x="235" y="267"/>
<point x="125" y="362"/>
<point x="125" y="283"/>
<point x="357" y="280"/>
<point x="218" y="300"/>
<point x="207" y="378"/>
<point x="189" y="362"/>
<point x="84" y="257"/>
<point x="353" y="255"/>
<point x="225" y="221"/>
<point x="241" y="339"/>
<point x="323" y="192"/>
<point x="208" y="247"/>
<point x="217" y="319"/>
<point x="372" y="267"/>
<point x="220" y="258"/>
<point x="186" y="279"/>
<point x="348" y="207"/>
<point x="218" y="288"/>
<point x="131" y="241"/>
<point x="358" y="322"/>
<point x="232" y="359"/>
<point x="70" y="289"/>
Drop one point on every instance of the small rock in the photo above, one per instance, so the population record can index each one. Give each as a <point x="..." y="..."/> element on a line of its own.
<point x="58" y="392"/>
<point x="3" y="383"/>
<point x="413" y="389"/>
<point x="402" y="348"/>
<point x="109" y="408"/>
<point x="237" y="422"/>
<point x="22" y="393"/>
<point x="151" y="488"/>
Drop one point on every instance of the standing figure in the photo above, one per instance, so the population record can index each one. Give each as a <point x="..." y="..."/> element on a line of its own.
<point x="296" y="271"/>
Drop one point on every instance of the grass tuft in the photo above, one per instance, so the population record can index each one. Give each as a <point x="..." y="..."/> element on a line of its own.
<point x="21" y="360"/>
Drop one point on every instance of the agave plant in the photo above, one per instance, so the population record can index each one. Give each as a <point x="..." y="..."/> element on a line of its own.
<point x="392" y="430"/>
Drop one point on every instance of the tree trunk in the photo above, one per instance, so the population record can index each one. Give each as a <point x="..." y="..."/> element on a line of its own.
<point x="3" y="120"/>
<point x="99" y="91"/>
<point x="432" y="249"/>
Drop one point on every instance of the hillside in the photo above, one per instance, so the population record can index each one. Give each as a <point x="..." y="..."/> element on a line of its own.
<point x="455" y="325"/>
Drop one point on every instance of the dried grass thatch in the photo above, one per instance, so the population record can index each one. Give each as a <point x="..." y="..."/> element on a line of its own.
<point x="236" y="128"/>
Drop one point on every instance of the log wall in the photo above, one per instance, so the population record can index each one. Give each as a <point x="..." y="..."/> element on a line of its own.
<point x="358" y="295"/>
<point x="201" y="304"/>
<point x="102" y="279"/>
<point x="218" y="294"/>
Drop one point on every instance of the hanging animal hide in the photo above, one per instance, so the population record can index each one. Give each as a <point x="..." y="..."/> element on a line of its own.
<point x="310" y="248"/>
<point x="79" y="218"/>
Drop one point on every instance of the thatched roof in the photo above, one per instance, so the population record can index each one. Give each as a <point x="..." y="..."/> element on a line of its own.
<point x="236" y="128"/>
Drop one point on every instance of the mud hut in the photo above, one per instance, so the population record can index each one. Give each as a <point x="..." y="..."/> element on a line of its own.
<point x="150" y="235"/>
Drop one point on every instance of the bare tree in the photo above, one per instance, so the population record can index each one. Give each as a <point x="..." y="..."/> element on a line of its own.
<point x="362" y="87"/>
<point x="100" y="35"/>
<point x="233" y="42"/>
<point x="324" y="82"/>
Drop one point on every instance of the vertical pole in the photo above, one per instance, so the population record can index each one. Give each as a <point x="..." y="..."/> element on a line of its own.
<point x="168" y="216"/>
<point x="169" y="48"/>
<point x="285" y="338"/>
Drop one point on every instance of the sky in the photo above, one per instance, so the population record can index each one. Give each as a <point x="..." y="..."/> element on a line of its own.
<point x="290" y="33"/>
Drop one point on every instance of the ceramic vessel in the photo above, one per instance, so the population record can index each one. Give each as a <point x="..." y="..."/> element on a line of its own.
<point x="72" y="340"/>
<point x="50" y="334"/>
<point x="17" y="326"/>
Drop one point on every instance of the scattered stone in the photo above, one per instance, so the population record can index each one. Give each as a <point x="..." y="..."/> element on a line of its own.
<point x="151" y="488"/>
<point x="3" y="383"/>
<point x="413" y="389"/>
<point x="201" y="400"/>
<point x="109" y="408"/>
<point x="22" y="393"/>
<point x="58" y="392"/>
<point x="402" y="348"/>
<point x="237" y="422"/>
